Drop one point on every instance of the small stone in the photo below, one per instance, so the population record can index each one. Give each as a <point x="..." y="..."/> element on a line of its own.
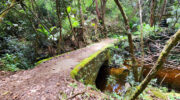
<point x="57" y="84"/>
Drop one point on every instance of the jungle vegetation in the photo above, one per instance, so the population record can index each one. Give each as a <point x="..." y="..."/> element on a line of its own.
<point x="32" y="30"/>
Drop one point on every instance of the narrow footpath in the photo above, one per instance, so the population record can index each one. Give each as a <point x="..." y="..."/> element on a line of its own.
<point x="49" y="80"/>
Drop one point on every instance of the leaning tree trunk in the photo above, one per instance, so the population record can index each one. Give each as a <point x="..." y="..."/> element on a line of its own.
<point x="173" y="41"/>
<point x="130" y="40"/>
<point x="5" y="12"/>
<point x="74" y="34"/>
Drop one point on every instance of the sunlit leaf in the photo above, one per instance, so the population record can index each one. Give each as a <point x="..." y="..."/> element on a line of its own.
<point x="93" y="24"/>
<point x="75" y="24"/>
<point x="68" y="9"/>
<point x="52" y="28"/>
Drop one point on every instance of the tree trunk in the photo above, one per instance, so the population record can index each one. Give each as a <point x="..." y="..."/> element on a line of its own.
<point x="163" y="10"/>
<point x="77" y="44"/>
<point x="58" y="12"/>
<point x="5" y="12"/>
<point x="152" y="13"/>
<point x="33" y="7"/>
<point x="142" y="42"/>
<point x="177" y="17"/>
<point x="173" y="41"/>
<point x="103" y="9"/>
<point x="101" y="16"/>
<point x="97" y="11"/>
<point x="130" y="40"/>
<point x="81" y="20"/>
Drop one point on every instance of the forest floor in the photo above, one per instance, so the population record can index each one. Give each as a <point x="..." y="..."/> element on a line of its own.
<point x="50" y="80"/>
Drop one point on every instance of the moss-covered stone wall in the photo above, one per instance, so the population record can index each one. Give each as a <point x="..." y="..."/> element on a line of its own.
<point x="87" y="70"/>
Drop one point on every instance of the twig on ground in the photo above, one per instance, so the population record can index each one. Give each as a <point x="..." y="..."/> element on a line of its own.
<point x="163" y="79"/>
<point x="73" y="96"/>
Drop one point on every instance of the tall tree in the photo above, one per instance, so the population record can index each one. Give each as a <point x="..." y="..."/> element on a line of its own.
<point x="173" y="41"/>
<point x="130" y="40"/>
<point x="103" y="10"/>
<point x="163" y="10"/>
<point x="101" y="15"/>
<point x="97" y="11"/>
<point x="142" y="42"/>
<point x="152" y="13"/>
<point x="74" y="34"/>
<point x="81" y="20"/>
<point x="59" y="15"/>
<point x="177" y="17"/>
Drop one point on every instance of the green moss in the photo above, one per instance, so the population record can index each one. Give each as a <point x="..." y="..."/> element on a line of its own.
<point x="44" y="60"/>
<point x="147" y="97"/>
<point x="109" y="56"/>
<point x="86" y="61"/>
<point x="159" y="94"/>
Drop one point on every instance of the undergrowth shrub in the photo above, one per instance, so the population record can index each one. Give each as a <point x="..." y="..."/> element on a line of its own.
<point x="9" y="62"/>
<point x="16" y="54"/>
<point x="147" y="30"/>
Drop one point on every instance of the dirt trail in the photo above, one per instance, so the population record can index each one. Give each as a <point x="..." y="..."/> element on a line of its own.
<point x="48" y="79"/>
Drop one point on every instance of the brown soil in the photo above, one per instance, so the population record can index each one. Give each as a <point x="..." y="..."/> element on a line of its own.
<point x="50" y="80"/>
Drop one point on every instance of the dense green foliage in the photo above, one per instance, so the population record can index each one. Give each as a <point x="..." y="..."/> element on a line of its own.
<point x="34" y="31"/>
<point x="31" y="31"/>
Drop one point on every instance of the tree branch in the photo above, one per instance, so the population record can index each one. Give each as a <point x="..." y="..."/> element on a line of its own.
<point x="173" y="41"/>
<point x="130" y="40"/>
